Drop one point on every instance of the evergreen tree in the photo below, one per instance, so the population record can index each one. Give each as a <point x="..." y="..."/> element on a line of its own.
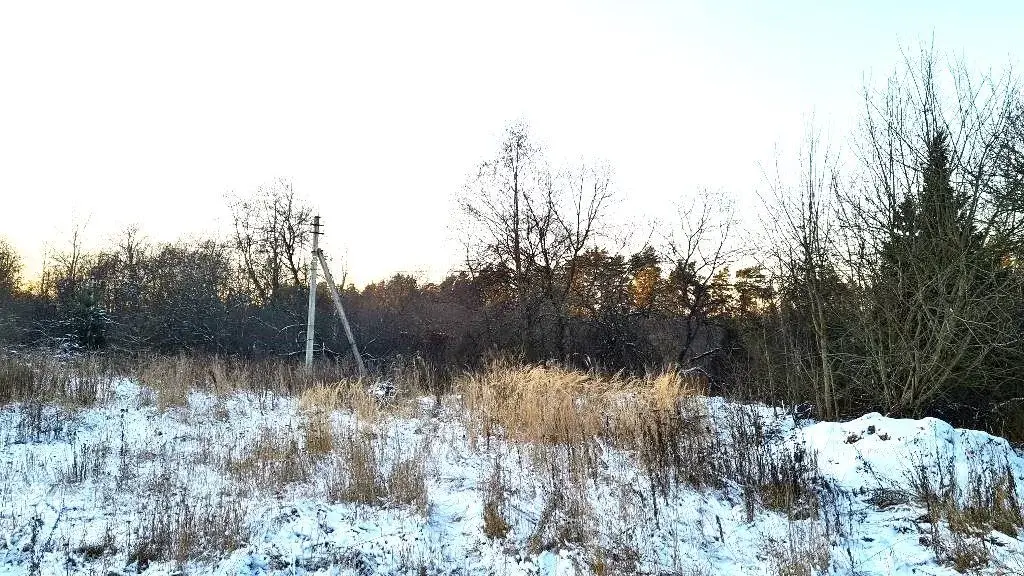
<point x="934" y="225"/>
<point x="89" y="320"/>
<point x="936" y="293"/>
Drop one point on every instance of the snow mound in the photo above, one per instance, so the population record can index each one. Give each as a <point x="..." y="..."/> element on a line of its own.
<point x="876" y="452"/>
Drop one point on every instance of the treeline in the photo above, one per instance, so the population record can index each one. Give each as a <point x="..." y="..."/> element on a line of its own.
<point x="888" y="278"/>
<point x="247" y="295"/>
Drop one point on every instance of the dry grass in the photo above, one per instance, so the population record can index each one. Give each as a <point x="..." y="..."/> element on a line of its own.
<point x="318" y="434"/>
<point x="366" y="470"/>
<point x="356" y="465"/>
<point x="621" y="558"/>
<point x="172" y="377"/>
<point x="17" y="380"/>
<point x="788" y="483"/>
<point x="562" y="421"/>
<point x="805" y="552"/>
<point x="968" y="514"/>
<point x="169" y="379"/>
<point x="317" y="429"/>
<point x="565" y="420"/>
<point x="357" y="474"/>
<point x="347" y="395"/>
<point x="407" y="481"/>
<point x="991" y="503"/>
<point x="655" y="417"/>
<point x="73" y="383"/>
<point x="496" y="526"/>
<point x="188" y="528"/>
<point x="770" y="475"/>
<point x="416" y="374"/>
<point x="48" y="392"/>
<point x="271" y="461"/>
<point x="963" y="553"/>
<point x="553" y="405"/>
<point x="565" y="521"/>
<point x="93" y="550"/>
<point x="87" y="461"/>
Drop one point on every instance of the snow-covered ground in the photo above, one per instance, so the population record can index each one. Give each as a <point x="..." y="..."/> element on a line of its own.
<point x="86" y="491"/>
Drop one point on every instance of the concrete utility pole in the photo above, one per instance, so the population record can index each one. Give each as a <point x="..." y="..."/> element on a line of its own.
<point x="311" y="315"/>
<point x="341" y="313"/>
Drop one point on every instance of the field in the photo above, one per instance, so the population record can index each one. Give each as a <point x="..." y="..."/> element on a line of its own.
<point x="187" y="466"/>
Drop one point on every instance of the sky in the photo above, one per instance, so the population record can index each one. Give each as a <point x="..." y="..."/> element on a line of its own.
<point x="139" y="113"/>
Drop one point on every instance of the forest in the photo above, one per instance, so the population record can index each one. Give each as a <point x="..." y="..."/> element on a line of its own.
<point x="887" y="276"/>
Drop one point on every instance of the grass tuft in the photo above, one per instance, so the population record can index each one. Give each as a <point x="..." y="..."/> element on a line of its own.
<point x="361" y="473"/>
<point x="496" y="526"/>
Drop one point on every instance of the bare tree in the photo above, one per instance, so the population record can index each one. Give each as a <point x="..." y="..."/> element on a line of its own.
<point x="701" y="247"/>
<point x="64" y="278"/>
<point x="493" y="201"/>
<point x="10" y="268"/>
<point x="531" y="227"/>
<point x="125" y="272"/>
<point x="10" y="285"/>
<point x="802" y="229"/>
<point x="271" y="230"/>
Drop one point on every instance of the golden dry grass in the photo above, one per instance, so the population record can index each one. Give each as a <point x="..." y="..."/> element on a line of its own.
<point x="987" y="503"/>
<point x="172" y="377"/>
<point x="346" y="395"/>
<point x="565" y="419"/>
<point x="496" y="525"/>
<point x="38" y="377"/>
<point x="183" y="528"/>
<point x="548" y="405"/>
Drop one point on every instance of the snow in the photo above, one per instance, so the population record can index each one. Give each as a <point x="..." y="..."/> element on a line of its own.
<point x="139" y="457"/>
<point x="878" y="453"/>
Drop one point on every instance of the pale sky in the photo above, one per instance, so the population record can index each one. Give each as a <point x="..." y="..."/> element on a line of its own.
<point x="138" y="113"/>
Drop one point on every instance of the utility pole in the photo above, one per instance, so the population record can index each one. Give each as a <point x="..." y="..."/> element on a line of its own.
<point x="341" y="313"/>
<point x="311" y="315"/>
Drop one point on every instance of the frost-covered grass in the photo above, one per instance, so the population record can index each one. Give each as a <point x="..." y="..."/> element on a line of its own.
<point x="515" y="471"/>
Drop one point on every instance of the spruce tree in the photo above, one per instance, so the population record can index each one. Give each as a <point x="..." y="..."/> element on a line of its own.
<point x="935" y="291"/>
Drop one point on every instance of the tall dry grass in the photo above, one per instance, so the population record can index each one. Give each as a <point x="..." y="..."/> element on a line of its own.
<point x="351" y="396"/>
<point x="553" y="405"/>
<point x="806" y="551"/>
<point x="367" y="469"/>
<point x="270" y="462"/>
<point x="184" y="528"/>
<point x="565" y="421"/>
<point x="46" y="392"/>
<point x="171" y="378"/>
<point x="37" y="377"/>
<point x="659" y="418"/>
